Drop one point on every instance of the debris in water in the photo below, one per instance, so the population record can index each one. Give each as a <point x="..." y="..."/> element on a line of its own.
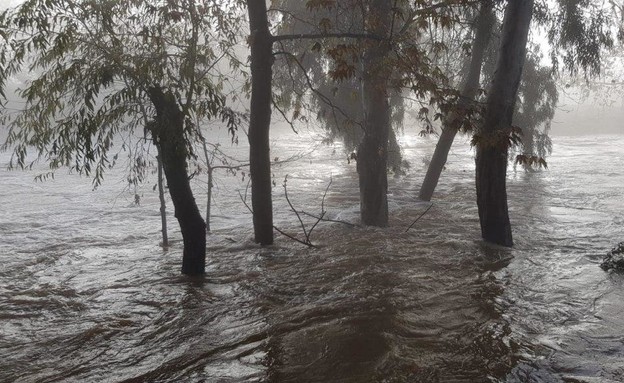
<point x="614" y="260"/>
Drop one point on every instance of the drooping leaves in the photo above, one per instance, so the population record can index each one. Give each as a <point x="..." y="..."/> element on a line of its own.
<point x="91" y="64"/>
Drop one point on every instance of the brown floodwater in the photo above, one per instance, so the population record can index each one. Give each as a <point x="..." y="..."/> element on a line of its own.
<point x="87" y="295"/>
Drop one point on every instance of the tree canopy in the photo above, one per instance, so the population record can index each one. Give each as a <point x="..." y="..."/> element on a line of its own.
<point x="92" y="64"/>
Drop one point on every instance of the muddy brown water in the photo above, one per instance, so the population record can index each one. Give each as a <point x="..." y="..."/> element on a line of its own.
<point x="87" y="295"/>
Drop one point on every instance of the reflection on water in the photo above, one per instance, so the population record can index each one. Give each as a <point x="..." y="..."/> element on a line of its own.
<point x="87" y="295"/>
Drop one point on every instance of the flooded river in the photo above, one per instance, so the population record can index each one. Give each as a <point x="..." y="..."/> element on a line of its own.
<point x="88" y="295"/>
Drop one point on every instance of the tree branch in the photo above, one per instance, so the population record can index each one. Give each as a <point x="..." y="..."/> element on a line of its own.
<point x="294" y="238"/>
<point x="322" y="97"/>
<point x="305" y="232"/>
<point x="419" y="217"/>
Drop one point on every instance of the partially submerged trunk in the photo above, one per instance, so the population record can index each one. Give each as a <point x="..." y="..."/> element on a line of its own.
<point x="483" y="30"/>
<point x="161" y="197"/>
<point x="260" y="120"/>
<point x="169" y="134"/>
<point x="372" y="155"/>
<point x="209" y="183"/>
<point x="492" y="143"/>
<point x="209" y="198"/>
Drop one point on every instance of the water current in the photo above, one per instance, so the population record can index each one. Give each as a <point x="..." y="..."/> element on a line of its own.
<point x="88" y="295"/>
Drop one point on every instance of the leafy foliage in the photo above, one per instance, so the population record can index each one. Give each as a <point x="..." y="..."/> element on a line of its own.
<point x="531" y="161"/>
<point x="93" y="63"/>
<point x="418" y="66"/>
<point x="500" y="138"/>
<point x="537" y="102"/>
<point x="606" y="90"/>
<point x="578" y="30"/>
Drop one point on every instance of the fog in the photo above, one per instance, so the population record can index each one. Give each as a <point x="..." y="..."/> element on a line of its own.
<point x="587" y="119"/>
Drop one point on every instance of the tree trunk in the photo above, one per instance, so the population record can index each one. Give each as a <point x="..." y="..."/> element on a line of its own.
<point x="492" y="146"/>
<point x="260" y="121"/>
<point x="169" y="133"/>
<point x="161" y="197"/>
<point x="483" y="30"/>
<point x="372" y="155"/>
<point x="209" y="198"/>
<point x="209" y="182"/>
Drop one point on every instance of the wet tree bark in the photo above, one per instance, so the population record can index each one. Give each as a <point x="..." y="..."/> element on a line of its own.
<point x="372" y="154"/>
<point x="260" y="120"/>
<point x="492" y="146"/>
<point x="161" y="197"/>
<point x="209" y="198"/>
<point x="209" y="183"/>
<point x="483" y="30"/>
<point x="169" y="134"/>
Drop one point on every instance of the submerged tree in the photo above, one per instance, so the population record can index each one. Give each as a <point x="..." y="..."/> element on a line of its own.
<point x="578" y="29"/>
<point x="261" y="43"/>
<point x="483" y="25"/>
<point x="534" y="110"/>
<point x="308" y="82"/>
<point x="369" y="52"/>
<point x="492" y="139"/>
<point x="104" y="68"/>
<point x="372" y="152"/>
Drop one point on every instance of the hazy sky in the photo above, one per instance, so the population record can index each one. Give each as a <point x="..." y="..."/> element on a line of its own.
<point x="588" y="118"/>
<point x="9" y="3"/>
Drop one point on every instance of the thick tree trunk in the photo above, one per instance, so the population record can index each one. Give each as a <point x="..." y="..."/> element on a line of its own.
<point x="169" y="133"/>
<point x="492" y="147"/>
<point x="260" y="121"/>
<point x="372" y="155"/>
<point x="484" y="23"/>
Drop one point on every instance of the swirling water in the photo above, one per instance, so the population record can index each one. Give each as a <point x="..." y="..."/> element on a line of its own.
<point x="88" y="295"/>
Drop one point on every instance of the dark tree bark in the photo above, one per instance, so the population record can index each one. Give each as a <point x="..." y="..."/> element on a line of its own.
<point x="484" y="23"/>
<point x="260" y="121"/>
<point x="492" y="146"/>
<point x="372" y="154"/>
<point x="169" y="134"/>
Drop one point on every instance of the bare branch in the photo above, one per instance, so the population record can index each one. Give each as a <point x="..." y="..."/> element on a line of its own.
<point x="295" y="210"/>
<point x="419" y="217"/>
<point x="284" y="116"/>
<point x="320" y="218"/>
<point x="244" y="198"/>
<point x="294" y="238"/>
<point x="325" y="99"/>
<point x="306" y="233"/>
